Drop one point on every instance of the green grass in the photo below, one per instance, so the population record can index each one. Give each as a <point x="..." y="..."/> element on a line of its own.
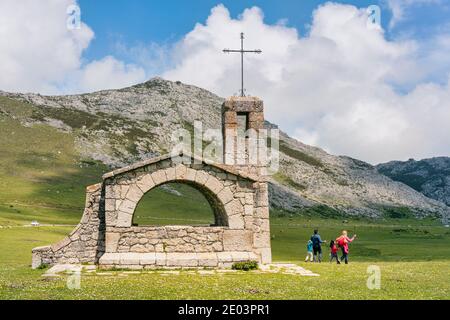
<point x="187" y="206"/>
<point x="412" y="278"/>
<point x="390" y="240"/>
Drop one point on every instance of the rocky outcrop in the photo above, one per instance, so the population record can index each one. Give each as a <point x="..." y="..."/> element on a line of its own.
<point x="431" y="177"/>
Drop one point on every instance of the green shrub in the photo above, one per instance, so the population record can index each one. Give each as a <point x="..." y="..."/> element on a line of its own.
<point x="245" y="265"/>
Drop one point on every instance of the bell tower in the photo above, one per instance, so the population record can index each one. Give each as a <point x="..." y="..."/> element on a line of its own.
<point x="243" y="134"/>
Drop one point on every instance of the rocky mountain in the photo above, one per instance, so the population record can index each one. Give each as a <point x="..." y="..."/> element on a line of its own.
<point x="118" y="127"/>
<point x="429" y="176"/>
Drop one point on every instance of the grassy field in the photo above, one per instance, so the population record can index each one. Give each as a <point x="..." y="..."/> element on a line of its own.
<point x="43" y="178"/>
<point x="414" y="264"/>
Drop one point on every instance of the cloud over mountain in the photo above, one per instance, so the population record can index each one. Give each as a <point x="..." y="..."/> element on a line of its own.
<point x="343" y="86"/>
<point x="340" y="84"/>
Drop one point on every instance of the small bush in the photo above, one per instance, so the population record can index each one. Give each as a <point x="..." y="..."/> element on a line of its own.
<point x="245" y="265"/>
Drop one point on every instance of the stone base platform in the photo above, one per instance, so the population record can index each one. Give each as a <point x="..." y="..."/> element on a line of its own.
<point x="174" y="260"/>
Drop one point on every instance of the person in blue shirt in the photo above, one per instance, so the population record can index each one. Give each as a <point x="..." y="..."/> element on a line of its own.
<point x="317" y="246"/>
<point x="309" y="249"/>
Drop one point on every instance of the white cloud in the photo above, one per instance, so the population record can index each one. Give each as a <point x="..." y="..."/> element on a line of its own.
<point x="109" y="73"/>
<point x="39" y="53"/>
<point x="335" y="88"/>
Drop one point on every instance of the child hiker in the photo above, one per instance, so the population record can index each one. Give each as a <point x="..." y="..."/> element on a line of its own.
<point x="334" y="251"/>
<point x="309" y="249"/>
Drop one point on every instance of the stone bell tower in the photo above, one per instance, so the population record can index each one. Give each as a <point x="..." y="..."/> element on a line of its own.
<point x="245" y="150"/>
<point x="244" y="135"/>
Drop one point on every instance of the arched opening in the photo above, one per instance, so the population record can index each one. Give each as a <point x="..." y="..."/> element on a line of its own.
<point x="179" y="203"/>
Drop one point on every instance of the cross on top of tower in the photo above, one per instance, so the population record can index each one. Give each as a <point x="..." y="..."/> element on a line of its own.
<point x="242" y="52"/>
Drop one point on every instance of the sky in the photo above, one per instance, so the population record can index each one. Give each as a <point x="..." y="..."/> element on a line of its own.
<point x="329" y="75"/>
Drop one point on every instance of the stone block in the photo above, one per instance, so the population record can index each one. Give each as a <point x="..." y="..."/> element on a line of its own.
<point x="214" y="185"/>
<point x="36" y="260"/>
<point x="147" y="259"/>
<point x="234" y="208"/>
<point x="110" y="192"/>
<point x="124" y="219"/>
<point x="248" y="222"/>
<point x="122" y="190"/>
<point x="261" y="240"/>
<point x="182" y="260"/>
<point x="180" y="171"/>
<point x="161" y="259"/>
<point x="262" y="212"/>
<point x="130" y="258"/>
<point x="256" y="117"/>
<point x="237" y="240"/>
<point x="111" y="241"/>
<point x="134" y="194"/>
<point x="230" y="117"/>
<point x="159" y="177"/>
<point x="265" y="255"/>
<point x="110" y="204"/>
<point x="111" y="217"/>
<point x="224" y="257"/>
<point x="248" y="210"/>
<point x="238" y="256"/>
<point x="225" y="196"/>
<point x="262" y="225"/>
<point x="201" y="177"/>
<point x="170" y="174"/>
<point x="190" y="174"/>
<point x="236" y="222"/>
<point x="145" y="183"/>
<point x="207" y="259"/>
<point x="249" y="199"/>
<point x="110" y="259"/>
<point x="127" y="206"/>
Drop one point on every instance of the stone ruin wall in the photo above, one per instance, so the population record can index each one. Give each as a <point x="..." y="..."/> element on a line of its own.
<point x="107" y="237"/>
<point x="85" y="244"/>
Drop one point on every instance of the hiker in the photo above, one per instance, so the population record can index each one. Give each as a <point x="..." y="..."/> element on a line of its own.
<point x="343" y="242"/>
<point x="317" y="246"/>
<point x="334" y="251"/>
<point x="309" y="249"/>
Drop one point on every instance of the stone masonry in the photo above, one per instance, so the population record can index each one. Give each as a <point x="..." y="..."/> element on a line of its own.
<point x="106" y="235"/>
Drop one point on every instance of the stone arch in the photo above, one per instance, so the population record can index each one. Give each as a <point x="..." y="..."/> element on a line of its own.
<point x="125" y="192"/>
<point x="216" y="205"/>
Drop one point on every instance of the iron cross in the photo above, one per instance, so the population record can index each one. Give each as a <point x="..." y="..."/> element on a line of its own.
<point x="242" y="52"/>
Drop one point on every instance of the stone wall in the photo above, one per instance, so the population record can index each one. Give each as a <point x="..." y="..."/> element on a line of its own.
<point x="165" y="239"/>
<point x="85" y="244"/>
<point x="107" y="236"/>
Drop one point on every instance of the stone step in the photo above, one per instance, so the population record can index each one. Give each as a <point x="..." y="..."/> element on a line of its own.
<point x="180" y="260"/>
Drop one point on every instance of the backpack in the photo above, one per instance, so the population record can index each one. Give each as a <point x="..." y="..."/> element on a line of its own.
<point x="315" y="240"/>
<point x="340" y="242"/>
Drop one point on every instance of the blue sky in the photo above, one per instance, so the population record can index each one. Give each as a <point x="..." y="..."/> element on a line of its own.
<point x="134" y="22"/>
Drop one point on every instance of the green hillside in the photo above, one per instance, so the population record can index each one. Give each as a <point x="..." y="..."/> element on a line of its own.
<point x="43" y="178"/>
